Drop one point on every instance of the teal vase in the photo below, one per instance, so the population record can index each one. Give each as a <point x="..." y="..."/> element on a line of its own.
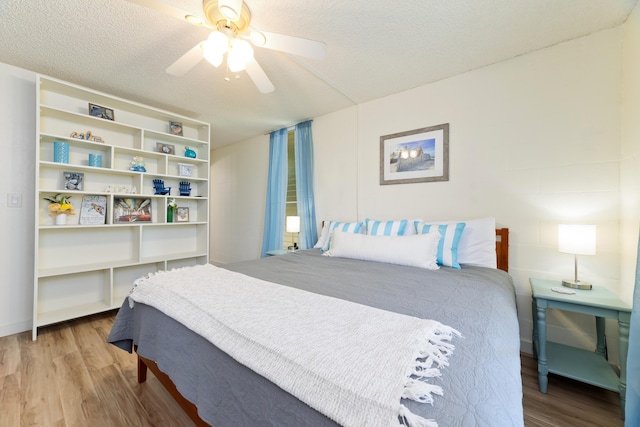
<point x="169" y="214"/>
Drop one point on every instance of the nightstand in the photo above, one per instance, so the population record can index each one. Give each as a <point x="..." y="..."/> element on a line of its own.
<point x="279" y="252"/>
<point x="581" y="365"/>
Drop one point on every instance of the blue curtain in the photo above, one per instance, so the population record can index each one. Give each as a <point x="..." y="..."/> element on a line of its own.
<point x="276" y="192"/>
<point x="632" y="407"/>
<point x="303" y="144"/>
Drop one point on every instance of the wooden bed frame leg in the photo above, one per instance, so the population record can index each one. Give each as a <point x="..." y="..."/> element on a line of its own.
<point x="189" y="408"/>
<point x="142" y="370"/>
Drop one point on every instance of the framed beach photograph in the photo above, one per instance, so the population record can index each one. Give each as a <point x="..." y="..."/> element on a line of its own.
<point x="175" y="128"/>
<point x="182" y="214"/>
<point x="419" y="155"/>
<point x="165" y="148"/>
<point x="99" y="111"/>
<point x="131" y="210"/>
<point x="73" y="181"/>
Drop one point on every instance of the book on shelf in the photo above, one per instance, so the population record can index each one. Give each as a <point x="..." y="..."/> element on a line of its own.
<point x="93" y="210"/>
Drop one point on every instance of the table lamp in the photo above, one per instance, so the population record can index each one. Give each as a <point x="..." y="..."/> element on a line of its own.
<point x="293" y="226"/>
<point x="577" y="240"/>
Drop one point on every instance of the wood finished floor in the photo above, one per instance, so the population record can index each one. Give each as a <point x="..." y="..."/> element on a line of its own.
<point x="71" y="377"/>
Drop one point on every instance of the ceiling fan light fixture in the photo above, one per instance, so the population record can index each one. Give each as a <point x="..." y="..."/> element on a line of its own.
<point x="235" y="65"/>
<point x="230" y="9"/>
<point x="240" y="53"/>
<point x="215" y="47"/>
<point x="214" y="59"/>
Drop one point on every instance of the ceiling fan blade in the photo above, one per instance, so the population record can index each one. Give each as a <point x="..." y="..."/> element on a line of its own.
<point x="298" y="46"/>
<point x="257" y="74"/>
<point x="186" y="62"/>
<point x="171" y="10"/>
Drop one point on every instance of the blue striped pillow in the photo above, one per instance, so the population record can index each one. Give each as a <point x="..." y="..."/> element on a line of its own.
<point x="448" y="246"/>
<point x="347" y="227"/>
<point x="387" y="228"/>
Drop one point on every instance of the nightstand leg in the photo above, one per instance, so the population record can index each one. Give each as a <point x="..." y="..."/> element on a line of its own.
<point x="543" y="369"/>
<point x="623" y="330"/>
<point x="601" y="346"/>
<point x="534" y="340"/>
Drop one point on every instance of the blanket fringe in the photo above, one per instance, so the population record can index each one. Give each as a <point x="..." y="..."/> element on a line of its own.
<point x="409" y="419"/>
<point x="439" y="348"/>
<point x="424" y="370"/>
<point x="148" y="276"/>
<point x="436" y="352"/>
<point x="420" y="391"/>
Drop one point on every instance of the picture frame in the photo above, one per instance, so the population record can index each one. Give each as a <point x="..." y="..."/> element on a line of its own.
<point x="185" y="169"/>
<point x="93" y="210"/>
<point x="419" y="155"/>
<point x="175" y="128"/>
<point x="182" y="214"/>
<point x="131" y="209"/>
<point x="73" y="181"/>
<point x="101" y="112"/>
<point x="165" y="148"/>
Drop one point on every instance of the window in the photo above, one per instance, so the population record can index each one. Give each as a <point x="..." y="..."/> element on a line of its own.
<point x="292" y="201"/>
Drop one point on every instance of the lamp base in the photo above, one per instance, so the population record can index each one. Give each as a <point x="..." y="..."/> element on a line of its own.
<point x="577" y="284"/>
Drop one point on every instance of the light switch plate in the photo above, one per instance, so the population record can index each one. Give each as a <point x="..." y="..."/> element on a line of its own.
<point x="14" y="200"/>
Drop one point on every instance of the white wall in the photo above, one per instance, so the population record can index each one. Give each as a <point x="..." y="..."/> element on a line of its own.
<point x="630" y="155"/>
<point x="535" y="141"/>
<point x="17" y="148"/>
<point x="238" y="191"/>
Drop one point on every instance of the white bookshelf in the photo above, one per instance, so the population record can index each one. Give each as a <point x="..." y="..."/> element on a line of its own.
<point x="85" y="269"/>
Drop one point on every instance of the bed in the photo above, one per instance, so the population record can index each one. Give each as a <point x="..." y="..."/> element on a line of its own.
<point x="482" y="384"/>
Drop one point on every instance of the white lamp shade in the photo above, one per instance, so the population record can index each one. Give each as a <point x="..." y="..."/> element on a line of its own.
<point x="293" y="224"/>
<point x="240" y="53"/>
<point x="577" y="239"/>
<point x="215" y="47"/>
<point x="213" y="58"/>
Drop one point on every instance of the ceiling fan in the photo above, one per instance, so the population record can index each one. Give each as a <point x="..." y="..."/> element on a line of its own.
<point x="230" y="21"/>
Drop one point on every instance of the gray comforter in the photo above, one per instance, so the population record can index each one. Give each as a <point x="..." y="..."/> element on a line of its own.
<point x="482" y="385"/>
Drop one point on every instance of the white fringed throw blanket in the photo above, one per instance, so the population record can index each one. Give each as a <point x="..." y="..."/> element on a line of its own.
<point x="351" y="362"/>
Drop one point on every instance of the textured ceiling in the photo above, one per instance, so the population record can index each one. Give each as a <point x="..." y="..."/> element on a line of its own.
<point x="374" y="48"/>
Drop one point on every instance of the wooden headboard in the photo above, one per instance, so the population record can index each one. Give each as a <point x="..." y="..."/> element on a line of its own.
<point x="502" y="248"/>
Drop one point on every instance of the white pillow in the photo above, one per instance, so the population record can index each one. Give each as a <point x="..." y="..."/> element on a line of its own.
<point x="477" y="246"/>
<point x="419" y="250"/>
<point x="448" y="246"/>
<point x="324" y="241"/>
<point x="324" y="235"/>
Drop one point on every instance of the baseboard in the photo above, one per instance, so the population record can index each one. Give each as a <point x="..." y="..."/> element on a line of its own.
<point x="526" y="346"/>
<point x="15" y="328"/>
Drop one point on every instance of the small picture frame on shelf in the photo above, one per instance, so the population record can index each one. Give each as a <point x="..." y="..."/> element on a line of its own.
<point x="185" y="169"/>
<point x="93" y="210"/>
<point x="73" y="181"/>
<point x="175" y="128"/>
<point x="101" y="112"/>
<point x="182" y="214"/>
<point x="127" y="210"/>
<point x="165" y="148"/>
